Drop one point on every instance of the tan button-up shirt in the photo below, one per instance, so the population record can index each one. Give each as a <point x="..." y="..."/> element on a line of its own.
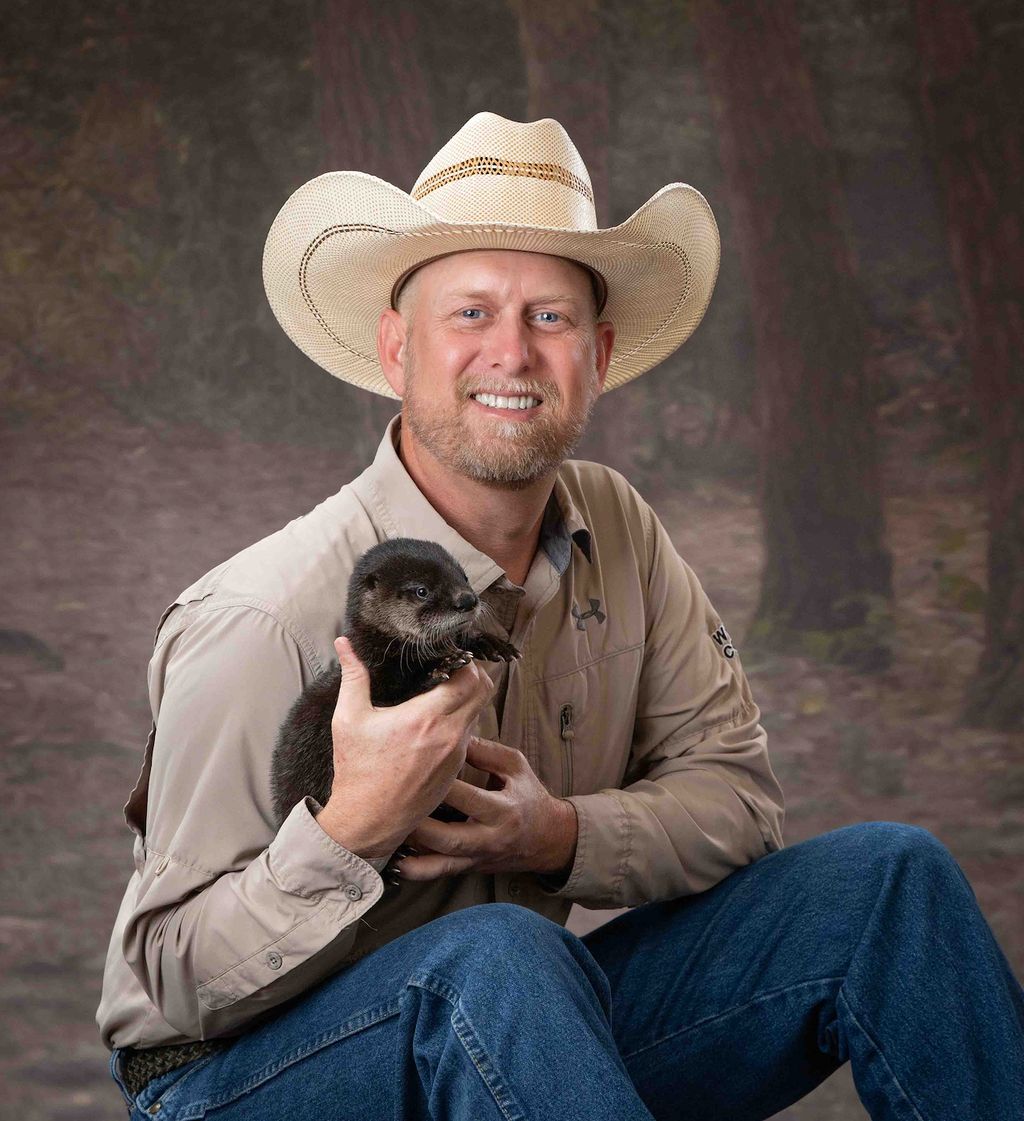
<point x="629" y="700"/>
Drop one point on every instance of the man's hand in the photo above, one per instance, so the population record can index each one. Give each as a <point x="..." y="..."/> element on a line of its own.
<point x="393" y="764"/>
<point x="519" y="828"/>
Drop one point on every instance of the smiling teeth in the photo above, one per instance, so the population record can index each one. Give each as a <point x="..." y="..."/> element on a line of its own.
<point x="506" y="402"/>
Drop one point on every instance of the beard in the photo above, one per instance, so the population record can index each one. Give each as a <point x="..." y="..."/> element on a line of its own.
<point x="508" y="454"/>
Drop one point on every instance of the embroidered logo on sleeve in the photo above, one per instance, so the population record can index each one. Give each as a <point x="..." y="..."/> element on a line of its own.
<point x="721" y="637"/>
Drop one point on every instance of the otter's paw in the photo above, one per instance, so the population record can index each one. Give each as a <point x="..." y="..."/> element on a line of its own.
<point x="390" y="874"/>
<point x="447" y="666"/>
<point x="391" y="878"/>
<point x="493" y="649"/>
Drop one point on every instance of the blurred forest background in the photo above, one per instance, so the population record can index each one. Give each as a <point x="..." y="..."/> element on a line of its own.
<point x="837" y="451"/>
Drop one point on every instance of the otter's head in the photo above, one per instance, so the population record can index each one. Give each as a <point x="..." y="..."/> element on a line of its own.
<point x="414" y="590"/>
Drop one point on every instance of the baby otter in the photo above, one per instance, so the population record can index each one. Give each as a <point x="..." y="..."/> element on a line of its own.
<point x="411" y="617"/>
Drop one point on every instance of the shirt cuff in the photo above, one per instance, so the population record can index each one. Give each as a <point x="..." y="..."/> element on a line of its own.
<point x="602" y="853"/>
<point x="337" y="886"/>
<point x="306" y="860"/>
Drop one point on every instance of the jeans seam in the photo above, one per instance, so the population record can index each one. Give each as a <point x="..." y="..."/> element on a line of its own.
<point x="470" y="1040"/>
<point x="759" y="998"/>
<point x="114" y="1064"/>
<point x="366" y="1019"/>
<point x="870" y="1037"/>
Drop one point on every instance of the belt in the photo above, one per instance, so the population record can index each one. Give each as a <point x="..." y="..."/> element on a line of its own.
<point x="140" y="1066"/>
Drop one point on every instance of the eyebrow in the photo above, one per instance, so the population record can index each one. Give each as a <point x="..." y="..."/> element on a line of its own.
<point x="481" y="295"/>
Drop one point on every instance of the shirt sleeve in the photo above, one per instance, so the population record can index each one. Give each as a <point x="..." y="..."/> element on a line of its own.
<point x="231" y="916"/>
<point x="699" y="798"/>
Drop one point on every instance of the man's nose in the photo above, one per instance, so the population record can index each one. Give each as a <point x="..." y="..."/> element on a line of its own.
<point x="509" y="345"/>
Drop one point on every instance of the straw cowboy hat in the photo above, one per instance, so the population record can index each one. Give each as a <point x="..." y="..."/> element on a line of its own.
<point x="342" y="245"/>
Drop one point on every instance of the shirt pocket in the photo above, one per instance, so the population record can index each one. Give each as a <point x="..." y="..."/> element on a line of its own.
<point x="583" y="723"/>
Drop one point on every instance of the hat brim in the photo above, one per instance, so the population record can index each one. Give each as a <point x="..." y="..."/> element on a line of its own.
<point x="340" y="242"/>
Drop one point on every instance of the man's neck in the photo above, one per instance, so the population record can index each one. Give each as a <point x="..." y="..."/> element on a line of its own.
<point x="504" y="524"/>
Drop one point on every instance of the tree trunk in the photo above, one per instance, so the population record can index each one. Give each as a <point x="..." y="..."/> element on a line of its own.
<point x="375" y="106"/>
<point x="970" y="86"/>
<point x="375" y="116"/>
<point x="566" y="76"/>
<point x="827" y="580"/>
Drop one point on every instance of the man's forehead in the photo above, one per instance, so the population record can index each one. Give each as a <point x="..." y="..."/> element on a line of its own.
<point x="475" y="270"/>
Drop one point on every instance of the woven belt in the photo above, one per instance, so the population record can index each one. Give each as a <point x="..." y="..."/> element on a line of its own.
<point x="140" y="1067"/>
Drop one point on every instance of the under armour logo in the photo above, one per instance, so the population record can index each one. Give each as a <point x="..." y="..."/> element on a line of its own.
<point x="595" y="612"/>
<point x="721" y="636"/>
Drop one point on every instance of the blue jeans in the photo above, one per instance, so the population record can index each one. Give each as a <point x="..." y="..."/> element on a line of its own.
<point x="863" y="944"/>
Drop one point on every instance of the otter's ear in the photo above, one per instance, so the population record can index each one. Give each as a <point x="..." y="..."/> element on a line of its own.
<point x="370" y="580"/>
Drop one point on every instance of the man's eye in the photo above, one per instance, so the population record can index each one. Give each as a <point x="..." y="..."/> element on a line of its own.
<point x="471" y="313"/>
<point x="551" y="316"/>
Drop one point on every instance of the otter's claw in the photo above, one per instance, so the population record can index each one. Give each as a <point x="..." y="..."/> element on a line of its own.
<point x="446" y="667"/>
<point x="494" y="649"/>
<point x="390" y="873"/>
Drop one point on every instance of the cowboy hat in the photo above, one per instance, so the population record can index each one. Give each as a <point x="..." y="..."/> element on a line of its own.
<point x="344" y="242"/>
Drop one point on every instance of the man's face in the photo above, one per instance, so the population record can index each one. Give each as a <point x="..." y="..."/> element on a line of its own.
<point x="486" y="329"/>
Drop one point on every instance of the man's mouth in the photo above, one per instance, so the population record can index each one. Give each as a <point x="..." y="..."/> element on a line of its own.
<point x="494" y="401"/>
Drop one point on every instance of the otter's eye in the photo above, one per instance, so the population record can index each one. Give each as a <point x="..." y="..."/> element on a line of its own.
<point x="422" y="592"/>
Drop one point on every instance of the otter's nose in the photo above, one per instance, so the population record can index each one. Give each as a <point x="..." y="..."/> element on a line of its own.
<point x="466" y="601"/>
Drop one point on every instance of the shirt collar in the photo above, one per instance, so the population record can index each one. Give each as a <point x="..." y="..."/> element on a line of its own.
<point x="399" y="508"/>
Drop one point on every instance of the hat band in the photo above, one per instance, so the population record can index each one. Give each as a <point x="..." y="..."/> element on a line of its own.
<point x="494" y="165"/>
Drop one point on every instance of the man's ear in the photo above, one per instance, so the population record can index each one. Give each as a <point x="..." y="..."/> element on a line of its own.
<point x="391" y="340"/>
<point x="605" y="340"/>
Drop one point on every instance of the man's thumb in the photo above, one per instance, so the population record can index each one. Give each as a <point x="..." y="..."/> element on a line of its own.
<point x="354" y="675"/>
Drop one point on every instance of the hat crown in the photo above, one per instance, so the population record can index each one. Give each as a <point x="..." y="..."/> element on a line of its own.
<point x="502" y="172"/>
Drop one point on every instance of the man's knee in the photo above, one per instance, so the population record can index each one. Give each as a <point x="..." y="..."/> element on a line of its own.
<point x="496" y="940"/>
<point x="899" y="848"/>
<point x="501" y="931"/>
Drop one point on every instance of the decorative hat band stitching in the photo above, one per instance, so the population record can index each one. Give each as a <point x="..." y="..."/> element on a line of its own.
<point x="494" y="165"/>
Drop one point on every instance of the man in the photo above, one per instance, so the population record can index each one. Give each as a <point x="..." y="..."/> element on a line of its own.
<point x="620" y="763"/>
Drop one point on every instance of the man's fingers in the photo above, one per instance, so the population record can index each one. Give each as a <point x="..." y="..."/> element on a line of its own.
<point x="489" y="755"/>
<point x="468" y="686"/>
<point x="456" y="838"/>
<point x="472" y="800"/>
<point x="433" y="866"/>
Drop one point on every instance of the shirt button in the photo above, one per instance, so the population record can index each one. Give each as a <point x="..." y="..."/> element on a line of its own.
<point x="513" y="887"/>
<point x="161" y="867"/>
<point x="274" y="959"/>
<point x="354" y="892"/>
<point x="155" y="1107"/>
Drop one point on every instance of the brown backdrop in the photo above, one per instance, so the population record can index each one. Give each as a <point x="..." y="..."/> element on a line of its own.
<point x="836" y="451"/>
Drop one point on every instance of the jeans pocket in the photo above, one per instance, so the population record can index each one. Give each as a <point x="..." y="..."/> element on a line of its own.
<point x="166" y="1089"/>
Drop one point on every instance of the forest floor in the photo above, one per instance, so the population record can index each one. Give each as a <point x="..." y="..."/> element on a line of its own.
<point x="108" y="521"/>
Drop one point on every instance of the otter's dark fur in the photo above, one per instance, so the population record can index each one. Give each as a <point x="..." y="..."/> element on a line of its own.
<point x="411" y="617"/>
